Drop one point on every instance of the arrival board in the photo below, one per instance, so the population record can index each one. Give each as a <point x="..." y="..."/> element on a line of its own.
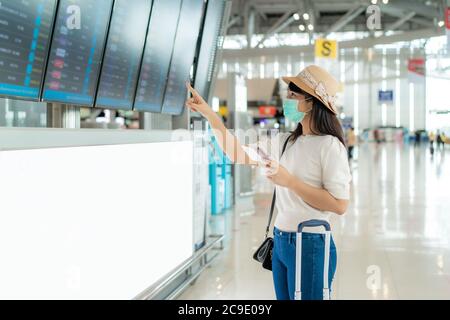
<point x="157" y="55"/>
<point x="76" y="51"/>
<point x="25" y="27"/>
<point x="183" y="56"/>
<point x="123" y="54"/>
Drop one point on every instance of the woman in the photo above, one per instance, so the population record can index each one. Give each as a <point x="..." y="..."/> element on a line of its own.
<point x="312" y="177"/>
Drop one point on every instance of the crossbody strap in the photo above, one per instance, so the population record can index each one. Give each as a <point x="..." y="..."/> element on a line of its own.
<point x="272" y="205"/>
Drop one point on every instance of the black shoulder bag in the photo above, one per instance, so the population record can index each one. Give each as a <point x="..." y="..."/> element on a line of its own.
<point x="264" y="253"/>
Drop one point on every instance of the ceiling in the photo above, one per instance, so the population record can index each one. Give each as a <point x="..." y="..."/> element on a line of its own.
<point x="269" y="17"/>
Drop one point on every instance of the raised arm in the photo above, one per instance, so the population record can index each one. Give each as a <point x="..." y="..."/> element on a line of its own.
<point x="226" y="140"/>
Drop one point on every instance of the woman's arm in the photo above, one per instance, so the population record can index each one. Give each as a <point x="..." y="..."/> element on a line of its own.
<point x="226" y="140"/>
<point x="318" y="198"/>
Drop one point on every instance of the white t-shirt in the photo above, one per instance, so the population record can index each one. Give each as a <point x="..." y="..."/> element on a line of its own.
<point x="320" y="161"/>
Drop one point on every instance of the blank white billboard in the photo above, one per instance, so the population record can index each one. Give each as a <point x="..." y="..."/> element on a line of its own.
<point x="97" y="222"/>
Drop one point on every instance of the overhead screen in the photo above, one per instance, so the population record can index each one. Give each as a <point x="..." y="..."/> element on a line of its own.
<point x="88" y="66"/>
<point x="183" y="56"/>
<point x="123" y="53"/>
<point x="209" y="44"/>
<point x="25" y="28"/>
<point x="76" y="51"/>
<point x="157" y="54"/>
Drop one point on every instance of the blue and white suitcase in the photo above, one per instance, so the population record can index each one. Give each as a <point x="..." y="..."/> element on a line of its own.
<point x="298" y="257"/>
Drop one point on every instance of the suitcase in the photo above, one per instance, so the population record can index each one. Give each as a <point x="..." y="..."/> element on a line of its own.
<point x="298" y="257"/>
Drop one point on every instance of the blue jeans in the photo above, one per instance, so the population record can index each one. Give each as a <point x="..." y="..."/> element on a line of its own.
<point x="283" y="265"/>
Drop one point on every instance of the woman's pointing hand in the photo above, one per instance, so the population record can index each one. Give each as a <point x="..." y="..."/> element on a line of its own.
<point x="196" y="103"/>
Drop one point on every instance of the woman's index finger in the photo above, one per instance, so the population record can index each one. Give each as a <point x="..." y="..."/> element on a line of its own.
<point x="191" y="90"/>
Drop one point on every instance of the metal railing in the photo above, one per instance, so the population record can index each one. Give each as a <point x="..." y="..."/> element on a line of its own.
<point x="175" y="282"/>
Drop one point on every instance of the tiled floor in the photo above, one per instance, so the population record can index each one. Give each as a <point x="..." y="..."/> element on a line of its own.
<point x="393" y="243"/>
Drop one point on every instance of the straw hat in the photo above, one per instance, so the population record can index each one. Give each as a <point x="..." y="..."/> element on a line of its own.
<point x="318" y="83"/>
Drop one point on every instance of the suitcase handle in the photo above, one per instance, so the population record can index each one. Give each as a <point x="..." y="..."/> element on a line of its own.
<point x="298" y="257"/>
<point x="314" y="223"/>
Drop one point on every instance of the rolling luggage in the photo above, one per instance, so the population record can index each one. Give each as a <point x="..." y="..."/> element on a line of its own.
<point x="298" y="257"/>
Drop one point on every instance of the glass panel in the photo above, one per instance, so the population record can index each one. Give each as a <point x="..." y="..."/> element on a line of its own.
<point x="18" y="113"/>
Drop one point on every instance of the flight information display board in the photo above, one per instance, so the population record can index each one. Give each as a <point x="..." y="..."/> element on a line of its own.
<point x="157" y="54"/>
<point x="25" y="27"/>
<point x="209" y="45"/>
<point x="123" y="54"/>
<point x="76" y="51"/>
<point x="183" y="56"/>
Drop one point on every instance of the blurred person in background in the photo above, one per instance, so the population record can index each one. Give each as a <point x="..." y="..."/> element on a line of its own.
<point x="439" y="140"/>
<point x="418" y="137"/>
<point x="431" y="138"/>
<point x="351" y="142"/>
<point x="376" y="136"/>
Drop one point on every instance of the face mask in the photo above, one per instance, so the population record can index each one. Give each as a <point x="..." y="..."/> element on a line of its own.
<point x="290" y="110"/>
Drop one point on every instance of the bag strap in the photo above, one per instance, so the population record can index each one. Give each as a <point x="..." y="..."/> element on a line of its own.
<point x="272" y="205"/>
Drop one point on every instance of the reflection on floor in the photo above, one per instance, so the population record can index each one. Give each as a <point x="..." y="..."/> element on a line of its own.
<point x="393" y="243"/>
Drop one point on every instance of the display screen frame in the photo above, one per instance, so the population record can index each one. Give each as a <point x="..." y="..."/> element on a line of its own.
<point x="44" y="64"/>
<point x="102" y="46"/>
<point x="173" y="62"/>
<point x="204" y="71"/>
<point x="138" y="65"/>
<point x="137" y="105"/>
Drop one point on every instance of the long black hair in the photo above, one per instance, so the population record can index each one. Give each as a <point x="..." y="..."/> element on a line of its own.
<point x="324" y="121"/>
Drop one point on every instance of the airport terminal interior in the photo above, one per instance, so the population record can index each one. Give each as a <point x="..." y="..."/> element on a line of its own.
<point x="112" y="186"/>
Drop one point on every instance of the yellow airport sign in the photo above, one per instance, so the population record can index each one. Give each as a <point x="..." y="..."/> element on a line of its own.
<point x="325" y="48"/>
<point x="223" y="111"/>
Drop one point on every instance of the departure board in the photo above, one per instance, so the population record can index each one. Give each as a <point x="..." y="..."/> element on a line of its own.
<point x="209" y="45"/>
<point x="157" y="54"/>
<point x="183" y="56"/>
<point x="123" y="54"/>
<point x="76" y="51"/>
<point x="25" y="27"/>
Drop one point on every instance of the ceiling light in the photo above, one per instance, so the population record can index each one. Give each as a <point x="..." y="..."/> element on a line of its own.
<point x="301" y="27"/>
<point x="385" y="1"/>
<point x="296" y="16"/>
<point x="441" y="24"/>
<point x="310" y="27"/>
<point x="374" y="1"/>
<point x="306" y="16"/>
